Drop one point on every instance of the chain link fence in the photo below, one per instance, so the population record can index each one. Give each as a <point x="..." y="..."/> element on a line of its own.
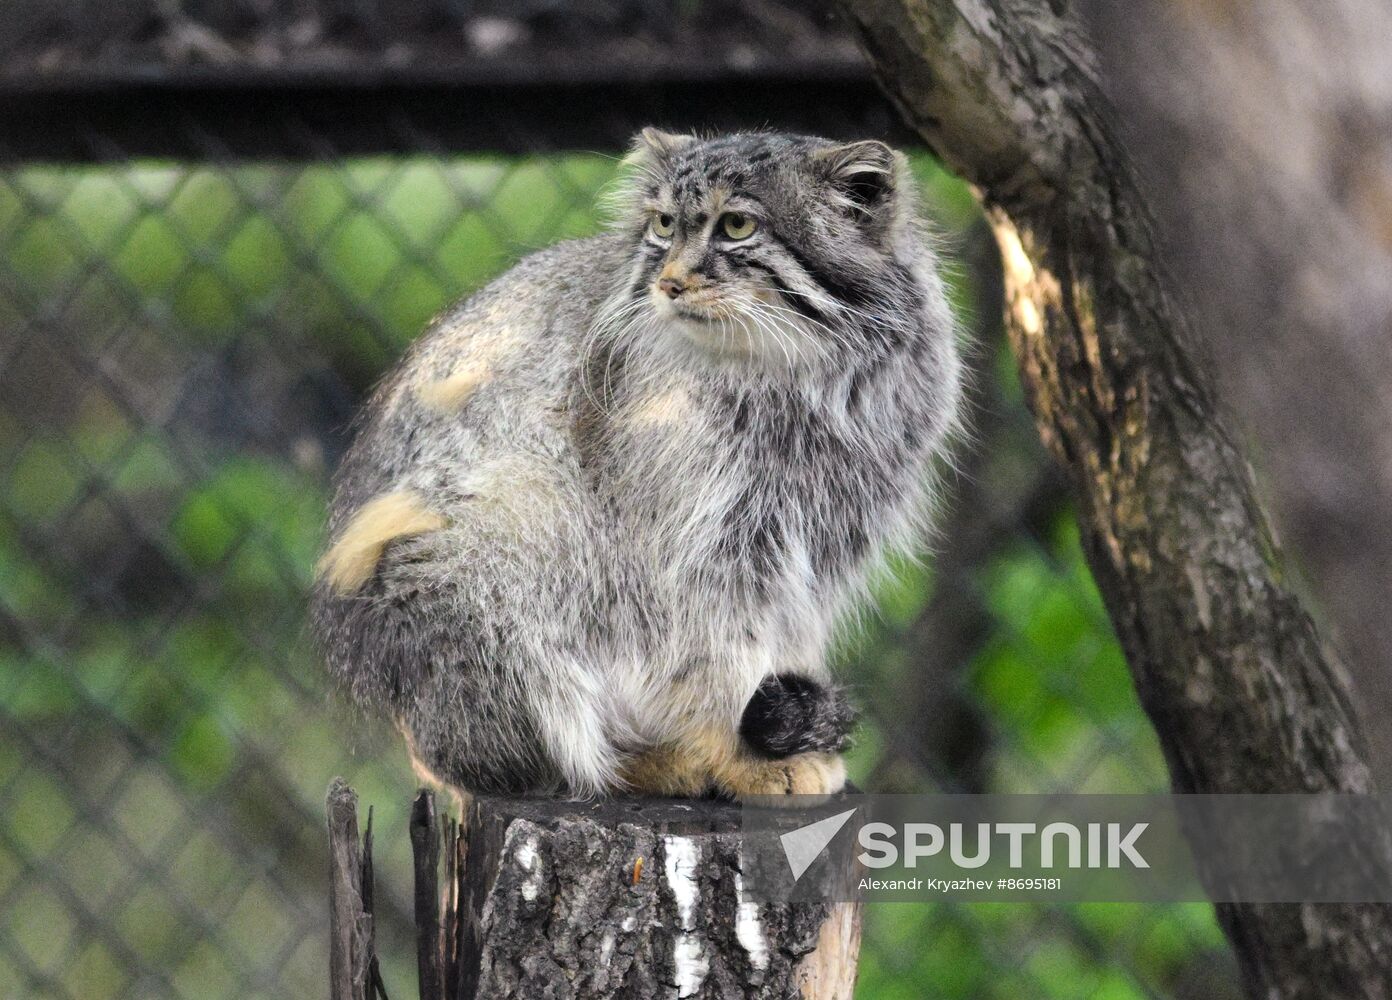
<point x="183" y="343"/>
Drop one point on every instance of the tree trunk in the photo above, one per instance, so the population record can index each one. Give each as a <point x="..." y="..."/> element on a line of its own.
<point x="633" y="899"/>
<point x="1229" y="666"/>
<point x="553" y="900"/>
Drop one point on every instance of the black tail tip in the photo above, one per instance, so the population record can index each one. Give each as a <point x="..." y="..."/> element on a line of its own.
<point x="791" y="713"/>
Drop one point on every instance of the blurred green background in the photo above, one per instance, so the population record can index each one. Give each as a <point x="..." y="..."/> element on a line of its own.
<point x="181" y="352"/>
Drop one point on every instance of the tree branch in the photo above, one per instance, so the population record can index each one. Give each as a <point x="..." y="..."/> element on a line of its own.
<point x="1230" y="668"/>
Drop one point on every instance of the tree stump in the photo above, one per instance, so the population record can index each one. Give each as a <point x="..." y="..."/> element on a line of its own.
<point x="636" y="898"/>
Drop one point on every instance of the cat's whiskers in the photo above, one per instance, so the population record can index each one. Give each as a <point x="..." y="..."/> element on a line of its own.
<point x="837" y="337"/>
<point x="772" y="327"/>
<point x="765" y="331"/>
<point x="840" y="306"/>
<point x="614" y="324"/>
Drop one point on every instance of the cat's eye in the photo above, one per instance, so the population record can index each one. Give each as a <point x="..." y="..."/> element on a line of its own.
<point x="664" y="225"/>
<point x="737" y="226"/>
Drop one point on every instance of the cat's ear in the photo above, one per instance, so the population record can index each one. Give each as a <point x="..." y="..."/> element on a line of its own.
<point x="866" y="174"/>
<point x="652" y="142"/>
<point x="644" y="168"/>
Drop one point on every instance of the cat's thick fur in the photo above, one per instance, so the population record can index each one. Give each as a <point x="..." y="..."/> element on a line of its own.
<point x="605" y="499"/>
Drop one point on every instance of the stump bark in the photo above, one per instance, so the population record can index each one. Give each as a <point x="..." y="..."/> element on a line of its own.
<point x="632" y="898"/>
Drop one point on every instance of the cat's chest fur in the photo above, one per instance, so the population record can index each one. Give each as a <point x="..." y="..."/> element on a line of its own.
<point x="748" y="494"/>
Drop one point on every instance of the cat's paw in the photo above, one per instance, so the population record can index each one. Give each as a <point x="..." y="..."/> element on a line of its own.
<point x="804" y="774"/>
<point x="664" y="770"/>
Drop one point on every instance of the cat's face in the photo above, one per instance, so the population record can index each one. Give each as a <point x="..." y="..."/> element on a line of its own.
<point x="764" y="247"/>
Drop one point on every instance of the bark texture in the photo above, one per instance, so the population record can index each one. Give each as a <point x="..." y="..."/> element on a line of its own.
<point x="549" y="900"/>
<point x="352" y="957"/>
<point x="632" y="899"/>
<point x="1244" y="695"/>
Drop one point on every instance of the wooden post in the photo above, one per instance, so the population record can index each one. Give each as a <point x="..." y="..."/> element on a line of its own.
<point x="353" y="971"/>
<point x="425" y="851"/>
<point x="589" y="900"/>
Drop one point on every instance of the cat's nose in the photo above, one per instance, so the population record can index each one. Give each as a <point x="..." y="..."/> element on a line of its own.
<point x="671" y="287"/>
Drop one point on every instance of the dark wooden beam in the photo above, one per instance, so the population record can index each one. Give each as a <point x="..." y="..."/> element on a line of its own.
<point x="259" y="119"/>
